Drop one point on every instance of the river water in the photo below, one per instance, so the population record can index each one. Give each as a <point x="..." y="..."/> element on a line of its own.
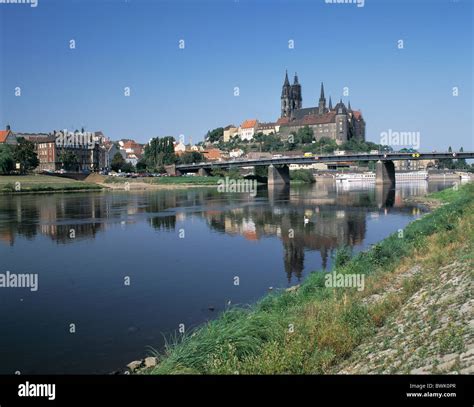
<point x="118" y="272"/>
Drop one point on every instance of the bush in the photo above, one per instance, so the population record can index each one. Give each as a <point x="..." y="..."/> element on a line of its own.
<point x="302" y="175"/>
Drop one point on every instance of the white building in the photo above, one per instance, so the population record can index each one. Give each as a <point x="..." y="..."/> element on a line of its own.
<point x="247" y="129"/>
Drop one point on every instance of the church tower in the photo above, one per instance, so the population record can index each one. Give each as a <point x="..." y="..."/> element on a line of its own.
<point x="322" y="101"/>
<point x="286" y="98"/>
<point x="297" y="99"/>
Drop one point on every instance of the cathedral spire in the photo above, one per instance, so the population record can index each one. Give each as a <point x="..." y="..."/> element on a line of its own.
<point x="322" y="101"/>
<point x="330" y="103"/>
<point x="286" y="97"/>
<point x="349" y="105"/>
<point x="296" y="98"/>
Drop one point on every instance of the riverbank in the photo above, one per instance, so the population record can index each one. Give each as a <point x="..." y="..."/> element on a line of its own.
<point x="121" y="183"/>
<point x="412" y="312"/>
<point x="37" y="184"/>
<point x="26" y="184"/>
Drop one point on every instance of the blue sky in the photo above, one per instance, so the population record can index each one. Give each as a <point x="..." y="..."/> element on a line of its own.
<point x="231" y="43"/>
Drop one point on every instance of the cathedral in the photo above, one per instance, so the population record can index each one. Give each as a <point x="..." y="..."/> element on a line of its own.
<point x="340" y="123"/>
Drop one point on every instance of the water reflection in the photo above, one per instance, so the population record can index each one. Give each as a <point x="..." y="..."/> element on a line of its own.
<point x="336" y="214"/>
<point x="272" y="239"/>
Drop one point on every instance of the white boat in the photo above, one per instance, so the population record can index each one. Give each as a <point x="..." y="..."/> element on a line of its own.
<point x="356" y="177"/>
<point x="411" y="176"/>
<point x="370" y="176"/>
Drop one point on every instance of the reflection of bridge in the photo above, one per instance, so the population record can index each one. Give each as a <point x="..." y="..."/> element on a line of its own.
<point x="278" y="170"/>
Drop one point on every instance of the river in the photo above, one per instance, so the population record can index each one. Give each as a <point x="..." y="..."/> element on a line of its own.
<point x="118" y="272"/>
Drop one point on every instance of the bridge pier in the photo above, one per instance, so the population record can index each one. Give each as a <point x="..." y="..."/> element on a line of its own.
<point x="171" y="170"/>
<point x="278" y="175"/>
<point x="385" y="173"/>
<point x="204" y="172"/>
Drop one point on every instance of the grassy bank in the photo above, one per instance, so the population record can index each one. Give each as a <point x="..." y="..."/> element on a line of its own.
<point x="42" y="183"/>
<point x="194" y="180"/>
<point x="316" y="329"/>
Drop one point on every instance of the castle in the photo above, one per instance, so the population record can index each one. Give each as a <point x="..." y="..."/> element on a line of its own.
<point x="340" y="123"/>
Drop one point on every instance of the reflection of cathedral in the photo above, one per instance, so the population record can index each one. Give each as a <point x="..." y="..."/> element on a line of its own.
<point x="327" y="230"/>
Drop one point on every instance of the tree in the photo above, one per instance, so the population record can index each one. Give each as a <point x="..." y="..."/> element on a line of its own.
<point x="461" y="163"/>
<point x="191" y="157"/>
<point x="24" y="154"/>
<point x="215" y="135"/>
<point x="6" y="159"/>
<point x="273" y="142"/>
<point x="159" y="152"/>
<point x="259" y="138"/>
<point x="447" y="163"/>
<point x="326" y="145"/>
<point x="305" y="135"/>
<point x="117" y="162"/>
<point x="128" y="167"/>
<point x="69" y="160"/>
<point x="141" y="165"/>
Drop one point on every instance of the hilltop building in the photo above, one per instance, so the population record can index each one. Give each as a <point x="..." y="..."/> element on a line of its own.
<point x="340" y="123"/>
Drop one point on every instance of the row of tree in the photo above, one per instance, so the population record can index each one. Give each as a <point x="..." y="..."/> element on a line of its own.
<point x="158" y="153"/>
<point x="452" y="164"/>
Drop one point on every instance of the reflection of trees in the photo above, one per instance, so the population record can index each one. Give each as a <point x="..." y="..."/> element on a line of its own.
<point x="167" y="223"/>
<point x="63" y="218"/>
<point x="293" y="259"/>
<point x="67" y="218"/>
<point x="17" y="219"/>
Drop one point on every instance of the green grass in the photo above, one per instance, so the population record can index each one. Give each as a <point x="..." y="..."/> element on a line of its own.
<point x="446" y="195"/>
<point x="42" y="183"/>
<point x="192" y="180"/>
<point x="315" y="328"/>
